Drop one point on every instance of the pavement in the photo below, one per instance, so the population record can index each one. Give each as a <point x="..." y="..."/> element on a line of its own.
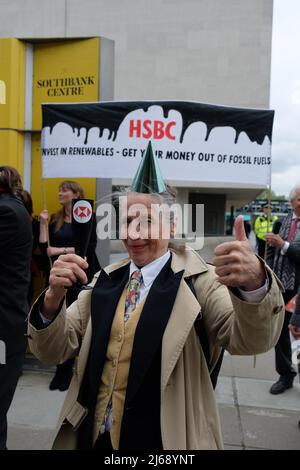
<point x="251" y="418"/>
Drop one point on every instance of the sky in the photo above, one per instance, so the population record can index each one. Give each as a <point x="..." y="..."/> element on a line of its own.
<point x="285" y="95"/>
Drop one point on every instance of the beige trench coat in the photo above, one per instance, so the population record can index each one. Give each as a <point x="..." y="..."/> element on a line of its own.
<point x="189" y="415"/>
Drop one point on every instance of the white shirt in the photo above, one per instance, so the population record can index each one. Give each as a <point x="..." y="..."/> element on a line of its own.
<point x="149" y="273"/>
<point x="255" y="296"/>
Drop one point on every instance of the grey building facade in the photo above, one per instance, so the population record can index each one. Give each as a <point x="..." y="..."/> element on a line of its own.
<point x="212" y="51"/>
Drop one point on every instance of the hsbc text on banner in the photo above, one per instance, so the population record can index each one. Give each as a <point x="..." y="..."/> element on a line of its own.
<point x="194" y="142"/>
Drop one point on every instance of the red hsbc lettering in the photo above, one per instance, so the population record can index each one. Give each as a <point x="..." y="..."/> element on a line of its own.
<point x="168" y="130"/>
<point x="158" y="131"/>
<point x="147" y="129"/>
<point x="135" y="128"/>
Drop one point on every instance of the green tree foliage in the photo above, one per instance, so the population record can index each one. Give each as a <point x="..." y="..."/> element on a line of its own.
<point x="273" y="196"/>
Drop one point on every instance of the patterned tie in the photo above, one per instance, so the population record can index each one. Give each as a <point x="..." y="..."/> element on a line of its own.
<point x="133" y="293"/>
<point x="293" y="228"/>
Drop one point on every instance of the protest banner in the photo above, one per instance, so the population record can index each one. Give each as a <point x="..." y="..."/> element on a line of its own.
<point x="193" y="141"/>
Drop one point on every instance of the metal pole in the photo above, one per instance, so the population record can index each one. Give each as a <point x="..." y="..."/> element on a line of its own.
<point x="103" y="192"/>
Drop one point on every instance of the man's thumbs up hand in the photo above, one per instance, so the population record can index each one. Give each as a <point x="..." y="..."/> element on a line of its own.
<point x="236" y="264"/>
<point x="240" y="234"/>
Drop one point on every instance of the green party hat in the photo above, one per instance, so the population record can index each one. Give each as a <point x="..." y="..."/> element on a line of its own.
<point x="148" y="177"/>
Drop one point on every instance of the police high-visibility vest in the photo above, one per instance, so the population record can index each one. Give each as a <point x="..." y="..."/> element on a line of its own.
<point x="263" y="225"/>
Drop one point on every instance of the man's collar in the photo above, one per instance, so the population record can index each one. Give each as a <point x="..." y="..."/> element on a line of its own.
<point x="188" y="260"/>
<point x="151" y="270"/>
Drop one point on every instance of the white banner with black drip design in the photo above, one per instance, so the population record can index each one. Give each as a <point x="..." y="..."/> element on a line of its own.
<point x="193" y="141"/>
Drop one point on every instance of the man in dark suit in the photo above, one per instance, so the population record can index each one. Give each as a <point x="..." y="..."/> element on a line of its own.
<point x="284" y="259"/>
<point x="15" y="256"/>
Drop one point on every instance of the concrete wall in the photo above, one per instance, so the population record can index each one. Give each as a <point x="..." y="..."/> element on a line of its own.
<point x="206" y="50"/>
<point x="216" y="51"/>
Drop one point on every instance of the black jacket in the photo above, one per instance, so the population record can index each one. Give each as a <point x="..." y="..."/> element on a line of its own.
<point x="15" y="258"/>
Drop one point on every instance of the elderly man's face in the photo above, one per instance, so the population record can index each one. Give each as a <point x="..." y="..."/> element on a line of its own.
<point x="145" y="230"/>
<point x="295" y="203"/>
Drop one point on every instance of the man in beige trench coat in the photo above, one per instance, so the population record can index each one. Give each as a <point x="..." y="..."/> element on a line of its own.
<point x="141" y="380"/>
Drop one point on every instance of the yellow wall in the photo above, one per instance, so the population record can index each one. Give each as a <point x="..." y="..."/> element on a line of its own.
<point x="12" y="102"/>
<point x="12" y="149"/>
<point x="64" y="72"/>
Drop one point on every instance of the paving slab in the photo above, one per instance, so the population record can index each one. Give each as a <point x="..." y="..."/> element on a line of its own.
<point x="34" y="411"/>
<point x="231" y="426"/>
<point x="262" y="367"/>
<point x="226" y="447"/>
<point x="224" y="391"/>
<point x="27" y="438"/>
<point x="270" y="429"/>
<point x="256" y="393"/>
<point x="34" y="403"/>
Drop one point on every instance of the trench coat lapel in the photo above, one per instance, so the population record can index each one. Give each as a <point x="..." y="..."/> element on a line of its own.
<point x="185" y="311"/>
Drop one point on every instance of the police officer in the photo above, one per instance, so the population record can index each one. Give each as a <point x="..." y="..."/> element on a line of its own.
<point x="263" y="224"/>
